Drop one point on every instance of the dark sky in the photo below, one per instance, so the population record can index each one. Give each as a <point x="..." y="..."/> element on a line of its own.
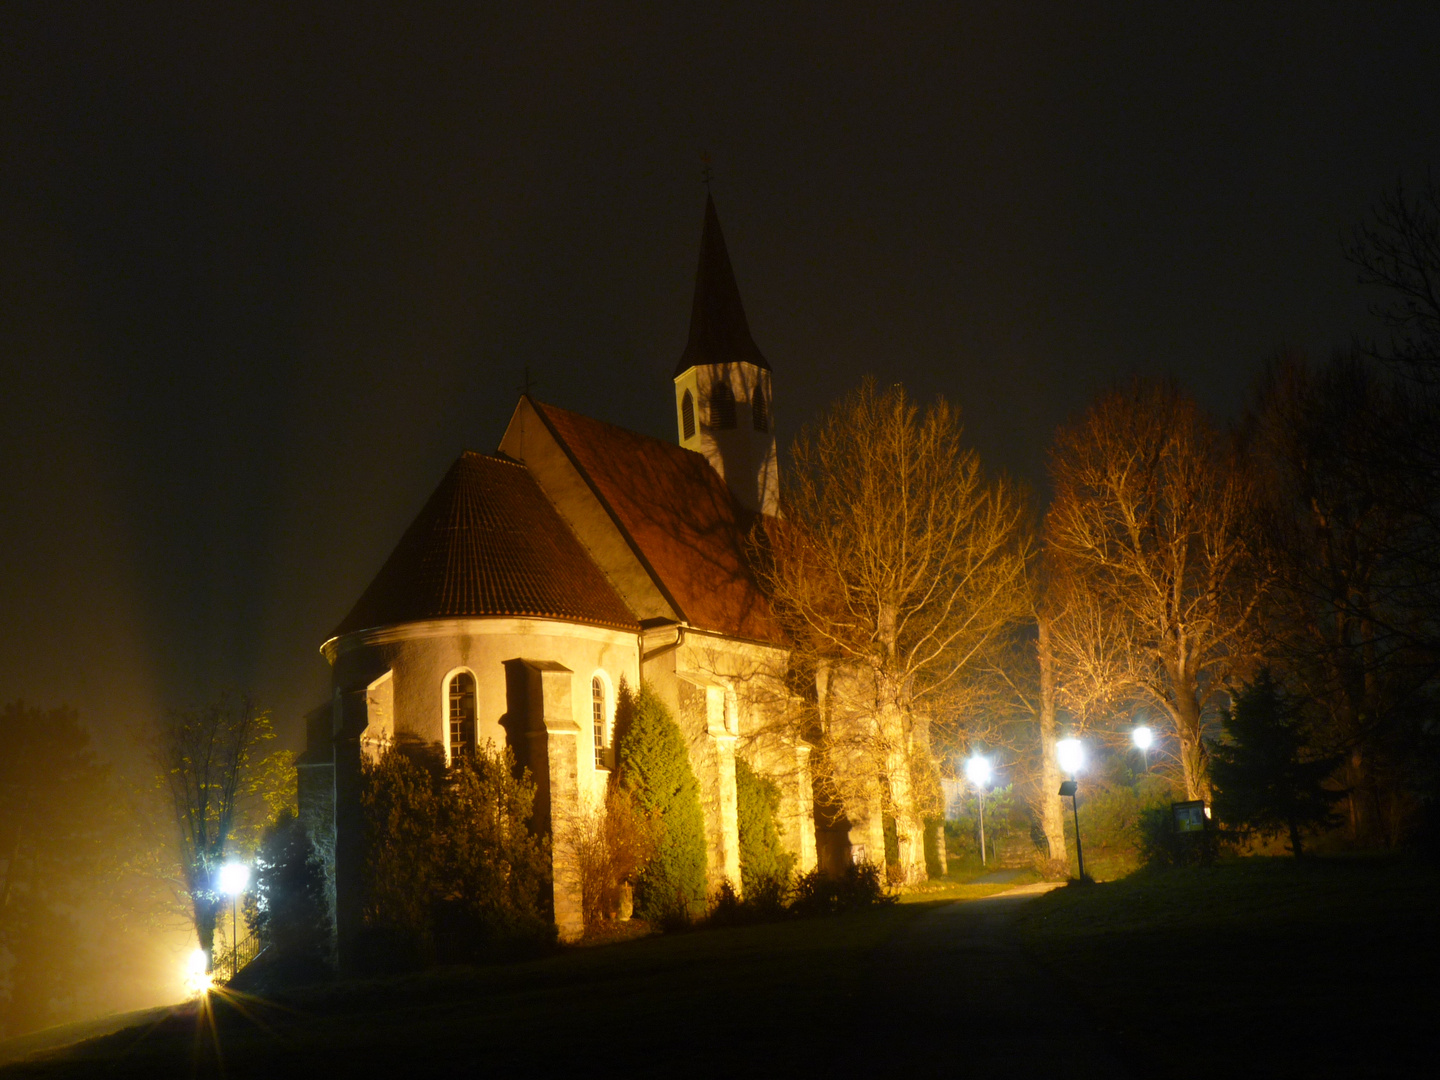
<point x="265" y="274"/>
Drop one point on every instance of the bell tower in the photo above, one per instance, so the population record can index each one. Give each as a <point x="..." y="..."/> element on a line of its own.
<point x="724" y="407"/>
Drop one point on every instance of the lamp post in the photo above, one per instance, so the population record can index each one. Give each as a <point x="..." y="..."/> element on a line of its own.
<point x="234" y="877"/>
<point x="1143" y="738"/>
<point x="977" y="771"/>
<point x="1071" y="756"/>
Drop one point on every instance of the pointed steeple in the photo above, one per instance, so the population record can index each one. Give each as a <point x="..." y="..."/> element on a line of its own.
<point x="719" y="333"/>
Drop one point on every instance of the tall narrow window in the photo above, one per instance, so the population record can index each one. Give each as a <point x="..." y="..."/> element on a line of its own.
<point x="687" y="415"/>
<point x="462" y="715"/>
<point x="722" y="406"/>
<point x="759" y="410"/>
<point x="597" y="713"/>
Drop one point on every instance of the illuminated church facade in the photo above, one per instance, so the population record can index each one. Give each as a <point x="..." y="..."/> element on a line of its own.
<point x="577" y="557"/>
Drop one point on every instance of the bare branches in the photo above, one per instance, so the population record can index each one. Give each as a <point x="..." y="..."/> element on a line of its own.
<point x="221" y="783"/>
<point x="898" y="571"/>
<point x="899" y="556"/>
<point x="1155" y="573"/>
<point x="1398" y="249"/>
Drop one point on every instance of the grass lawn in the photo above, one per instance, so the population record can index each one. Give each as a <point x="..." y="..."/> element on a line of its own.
<point x="1263" y="967"/>
<point x="966" y="881"/>
<point x="743" y="1001"/>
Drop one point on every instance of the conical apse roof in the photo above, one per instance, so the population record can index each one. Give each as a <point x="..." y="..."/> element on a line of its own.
<point x="488" y="542"/>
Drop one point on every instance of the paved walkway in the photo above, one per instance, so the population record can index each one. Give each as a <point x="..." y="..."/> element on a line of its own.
<point x="965" y="998"/>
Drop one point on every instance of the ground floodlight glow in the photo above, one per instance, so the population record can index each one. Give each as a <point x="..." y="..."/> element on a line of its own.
<point x="977" y="770"/>
<point x="197" y="979"/>
<point x="1143" y="737"/>
<point x="234" y="877"/>
<point x="1070" y="754"/>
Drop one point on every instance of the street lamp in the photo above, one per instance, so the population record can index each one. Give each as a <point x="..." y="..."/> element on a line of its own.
<point x="234" y="878"/>
<point x="1143" y="738"/>
<point x="977" y="771"/>
<point x="1071" y="756"/>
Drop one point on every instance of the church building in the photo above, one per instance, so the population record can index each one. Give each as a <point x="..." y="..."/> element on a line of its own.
<point x="538" y="578"/>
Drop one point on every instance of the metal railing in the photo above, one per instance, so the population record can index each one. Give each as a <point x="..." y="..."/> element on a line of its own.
<point x="230" y="962"/>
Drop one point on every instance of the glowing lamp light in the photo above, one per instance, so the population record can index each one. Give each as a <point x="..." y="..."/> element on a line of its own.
<point x="234" y="877"/>
<point x="1071" y="755"/>
<point x="1144" y="738"/>
<point x="977" y="770"/>
<point x="197" y="979"/>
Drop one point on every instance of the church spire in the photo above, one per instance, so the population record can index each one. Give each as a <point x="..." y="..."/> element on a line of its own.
<point x="719" y="333"/>
<point x="724" y="405"/>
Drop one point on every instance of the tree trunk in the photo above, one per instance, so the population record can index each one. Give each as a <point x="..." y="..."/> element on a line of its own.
<point x="1052" y="812"/>
<point x="1295" y="840"/>
<point x="206" y="914"/>
<point x="1189" y="728"/>
<point x="909" y="831"/>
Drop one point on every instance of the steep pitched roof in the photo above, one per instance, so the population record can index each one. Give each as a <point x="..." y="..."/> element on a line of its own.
<point x="488" y="542"/>
<point x="679" y="517"/>
<point x="719" y="332"/>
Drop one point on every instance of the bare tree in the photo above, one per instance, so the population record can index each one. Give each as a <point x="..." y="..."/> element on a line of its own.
<point x="899" y="568"/>
<point x="610" y="840"/>
<point x="1150" y="530"/>
<point x="1398" y="250"/>
<point x="224" y="786"/>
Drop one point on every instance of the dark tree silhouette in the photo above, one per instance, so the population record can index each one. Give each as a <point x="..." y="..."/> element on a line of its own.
<point x="1342" y="618"/>
<point x="1398" y="250"/>
<point x="225" y="784"/>
<point x="291" y="914"/>
<point x="1265" y="782"/>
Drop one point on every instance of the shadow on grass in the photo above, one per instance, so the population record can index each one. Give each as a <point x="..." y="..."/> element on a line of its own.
<point x="699" y="999"/>
<point x="1264" y="967"/>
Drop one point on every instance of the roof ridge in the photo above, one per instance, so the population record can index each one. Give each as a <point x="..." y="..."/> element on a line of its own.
<point x="495" y="455"/>
<point x="666" y="443"/>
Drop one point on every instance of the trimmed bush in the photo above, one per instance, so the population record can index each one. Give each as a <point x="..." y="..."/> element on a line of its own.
<point x="654" y="766"/>
<point x="858" y="887"/>
<point x="765" y="866"/>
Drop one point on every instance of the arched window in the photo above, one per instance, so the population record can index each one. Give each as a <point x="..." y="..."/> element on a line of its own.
<point x="597" y="714"/>
<point x="462" y="715"/>
<point x="759" y="410"/>
<point x="722" y="406"/>
<point x="687" y="415"/>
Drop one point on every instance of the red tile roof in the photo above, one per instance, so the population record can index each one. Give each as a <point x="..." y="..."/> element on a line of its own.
<point x="680" y="518"/>
<point x="488" y="542"/>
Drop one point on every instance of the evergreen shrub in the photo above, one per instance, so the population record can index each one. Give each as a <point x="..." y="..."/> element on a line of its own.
<point x="290" y="912"/>
<point x="654" y="766"/>
<point x="453" y="872"/>
<point x="765" y="865"/>
<point x="1268" y="782"/>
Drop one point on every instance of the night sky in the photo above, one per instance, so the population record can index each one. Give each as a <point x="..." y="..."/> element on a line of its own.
<point x="266" y="273"/>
